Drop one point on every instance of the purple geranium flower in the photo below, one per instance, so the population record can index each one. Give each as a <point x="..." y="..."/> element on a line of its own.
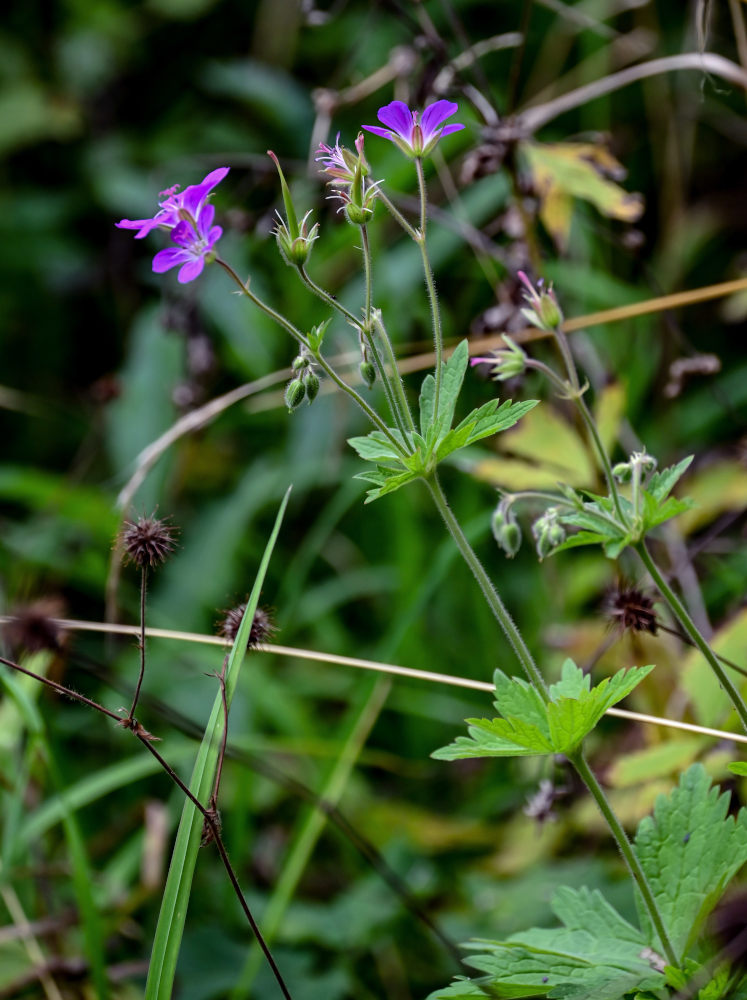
<point x="195" y="240"/>
<point x="415" y="134"/>
<point x="189" y="219"/>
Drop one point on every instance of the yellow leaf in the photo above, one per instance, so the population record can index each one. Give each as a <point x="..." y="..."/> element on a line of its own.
<point x="562" y="171"/>
<point x="709" y="703"/>
<point x="715" y="489"/>
<point x="609" y="410"/>
<point x="544" y="450"/>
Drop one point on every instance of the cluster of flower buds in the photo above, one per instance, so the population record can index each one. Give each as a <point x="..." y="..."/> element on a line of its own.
<point x="640" y="464"/>
<point x="349" y="173"/>
<point x="506" y="530"/>
<point x="295" y="239"/>
<point x="303" y="385"/>
<point x="507" y="362"/>
<point x="543" y="310"/>
<point x="548" y="532"/>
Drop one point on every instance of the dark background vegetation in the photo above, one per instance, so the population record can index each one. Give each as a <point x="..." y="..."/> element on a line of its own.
<point x="102" y="104"/>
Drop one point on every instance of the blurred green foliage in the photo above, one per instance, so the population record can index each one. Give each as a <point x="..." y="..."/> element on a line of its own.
<point x="102" y="104"/>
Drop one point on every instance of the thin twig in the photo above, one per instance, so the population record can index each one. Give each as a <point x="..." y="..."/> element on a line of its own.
<point x="141" y="640"/>
<point x="212" y="823"/>
<point x="534" y="118"/>
<point x="387" y="668"/>
<point x="146" y="739"/>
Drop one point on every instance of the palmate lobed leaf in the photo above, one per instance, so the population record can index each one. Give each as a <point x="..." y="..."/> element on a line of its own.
<point x="690" y="849"/>
<point x="595" y="955"/>
<point x="529" y="725"/>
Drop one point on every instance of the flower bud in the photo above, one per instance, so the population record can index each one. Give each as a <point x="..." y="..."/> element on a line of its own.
<point x="510" y="540"/>
<point x="622" y="472"/>
<point x="294" y="394"/>
<point x="358" y="215"/>
<point x="548" y="533"/>
<point x="311" y="385"/>
<point x="368" y="373"/>
<point x="300" y="362"/>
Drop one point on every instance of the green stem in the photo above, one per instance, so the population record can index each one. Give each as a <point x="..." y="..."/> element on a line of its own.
<point x="386" y="383"/>
<point x="396" y="214"/>
<point x="533" y="674"/>
<point x="323" y="363"/>
<point x="326" y="297"/>
<point x="430" y="285"/>
<point x="396" y="378"/>
<point x="626" y="849"/>
<point x="571" y="390"/>
<point x="691" y="629"/>
<point x="495" y="603"/>
<point x="367" y="274"/>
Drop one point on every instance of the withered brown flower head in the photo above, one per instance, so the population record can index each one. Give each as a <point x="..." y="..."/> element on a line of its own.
<point x="33" y="628"/>
<point x="632" y="609"/>
<point x="148" y="541"/>
<point x="263" y="626"/>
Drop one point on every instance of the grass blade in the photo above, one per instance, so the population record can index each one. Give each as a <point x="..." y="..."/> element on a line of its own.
<point x="175" y="901"/>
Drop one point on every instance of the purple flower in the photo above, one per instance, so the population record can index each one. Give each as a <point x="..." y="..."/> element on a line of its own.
<point x="189" y="219"/>
<point x="195" y="241"/>
<point x="176" y="207"/>
<point x="415" y="134"/>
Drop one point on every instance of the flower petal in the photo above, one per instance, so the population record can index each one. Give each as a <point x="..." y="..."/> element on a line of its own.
<point x="205" y="219"/>
<point x="170" y="257"/>
<point x="387" y="133"/>
<point x="448" y="129"/>
<point x="398" y="117"/>
<point x="214" y="177"/>
<point x="214" y="235"/>
<point x="191" y="270"/>
<point x="436" y="113"/>
<point x="143" y="225"/>
<point x="183" y="234"/>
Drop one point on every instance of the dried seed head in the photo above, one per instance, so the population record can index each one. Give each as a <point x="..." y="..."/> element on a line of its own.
<point x="33" y="628"/>
<point x="632" y="609"/>
<point x="148" y="541"/>
<point x="263" y="626"/>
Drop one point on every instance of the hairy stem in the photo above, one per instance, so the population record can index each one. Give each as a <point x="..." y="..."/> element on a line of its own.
<point x="323" y="363"/>
<point x="397" y="215"/>
<point x="430" y="285"/>
<point x="626" y="849"/>
<point x="491" y="595"/>
<point x="326" y="296"/>
<point x="680" y="612"/>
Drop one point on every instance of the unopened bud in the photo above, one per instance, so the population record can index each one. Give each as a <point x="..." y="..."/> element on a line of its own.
<point x="368" y="373"/>
<point x="359" y="215"/>
<point x="622" y="472"/>
<point x="294" y="393"/>
<point x="311" y="385"/>
<point x="300" y="362"/>
<point x="548" y="533"/>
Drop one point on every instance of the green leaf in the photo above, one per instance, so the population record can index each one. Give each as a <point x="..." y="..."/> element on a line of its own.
<point x="175" y="901"/>
<point x="690" y="849"/>
<point x="660" y="484"/>
<point x="738" y="767"/>
<point x="452" y="377"/>
<point x="385" y="480"/>
<point x="531" y="726"/>
<point x="594" y="955"/>
<point x="491" y="418"/>
<point x="575" y="710"/>
<point x="377" y="447"/>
